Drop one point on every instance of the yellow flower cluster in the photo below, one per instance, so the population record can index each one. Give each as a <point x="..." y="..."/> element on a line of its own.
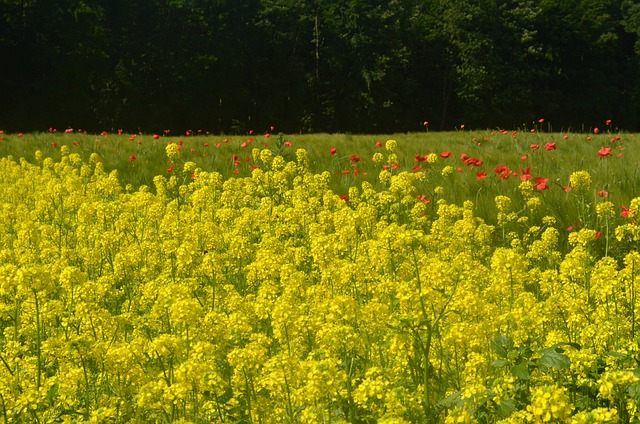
<point x="271" y="299"/>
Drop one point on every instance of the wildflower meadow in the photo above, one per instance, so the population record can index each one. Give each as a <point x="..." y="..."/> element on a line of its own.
<point x="456" y="277"/>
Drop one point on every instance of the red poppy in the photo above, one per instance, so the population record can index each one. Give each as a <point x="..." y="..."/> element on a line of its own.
<point x="605" y="151"/>
<point x="603" y="193"/>
<point x="625" y="211"/>
<point x="541" y="183"/>
<point x="170" y="169"/>
<point x="524" y="157"/>
<point x="333" y="151"/>
<point x="481" y="175"/>
<point x="608" y="122"/>
<point x="424" y="199"/>
<point x="378" y="144"/>
<point x="550" y="146"/>
<point x="416" y="168"/>
<point x="243" y="145"/>
<point x="535" y="146"/>
<point x="418" y="158"/>
<point x="354" y="158"/>
<point x="156" y="136"/>
<point x="132" y="158"/>
<point x="288" y="144"/>
<point x="500" y="169"/>
<point x="344" y="197"/>
<point x="596" y="130"/>
<point x="445" y="154"/>
<point x="570" y="228"/>
<point x="567" y="188"/>
<point x="226" y="140"/>
<point x="541" y="120"/>
<point x="425" y="123"/>
<point x="526" y="174"/>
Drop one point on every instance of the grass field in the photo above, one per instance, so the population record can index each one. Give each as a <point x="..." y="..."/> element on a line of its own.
<point x="469" y="276"/>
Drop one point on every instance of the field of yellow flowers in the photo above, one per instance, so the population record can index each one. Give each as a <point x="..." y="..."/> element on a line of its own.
<point x="270" y="297"/>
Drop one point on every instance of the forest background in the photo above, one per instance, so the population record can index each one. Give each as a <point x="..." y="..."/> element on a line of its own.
<point x="360" y="66"/>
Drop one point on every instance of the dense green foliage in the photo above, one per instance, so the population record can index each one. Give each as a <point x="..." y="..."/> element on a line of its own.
<point x="318" y="65"/>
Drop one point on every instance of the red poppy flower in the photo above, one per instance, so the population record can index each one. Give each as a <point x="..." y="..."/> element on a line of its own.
<point x="416" y="168"/>
<point x="608" y="122"/>
<point x="445" y="154"/>
<point x="378" y="144"/>
<point x="288" y="144"/>
<point x="418" y="158"/>
<point x="156" y="136"/>
<point x="541" y="120"/>
<point x="535" y="146"/>
<point x="344" y="197"/>
<point x="354" y="158"/>
<point x="625" y="211"/>
<point x="541" y="183"/>
<point x="550" y="146"/>
<point x="226" y="140"/>
<point x="333" y="151"/>
<point x="603" y="193"/>
<point x="526" y="174"/>
<point x="132" y="158"/>
<point x="424" y="199"/>
<point x="524" y="157"/>
<point x="481" y="175"/>
<point x="596" y="130"/>
<point x="243" y="145"/>
<point x="605" y="151"/>
<point x="170" y="169"/>
<point x="500" y="169"/>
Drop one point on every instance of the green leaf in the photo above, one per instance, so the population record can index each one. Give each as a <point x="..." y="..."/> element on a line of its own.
<point x="498" y="363"/>
<point x="551" y="358"/>
<point x="506" y="408"/>
<point x="501" y="346"/>
<point x="521" y="371"/>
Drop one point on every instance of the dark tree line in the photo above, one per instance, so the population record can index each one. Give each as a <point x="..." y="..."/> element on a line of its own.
<point x="317" y="65"/>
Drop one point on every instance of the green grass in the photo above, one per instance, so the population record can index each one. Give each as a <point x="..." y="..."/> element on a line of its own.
<point x="617" y="175"/>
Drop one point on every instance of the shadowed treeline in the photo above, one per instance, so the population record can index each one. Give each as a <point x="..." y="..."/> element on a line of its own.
<point x="318" y="65"/>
